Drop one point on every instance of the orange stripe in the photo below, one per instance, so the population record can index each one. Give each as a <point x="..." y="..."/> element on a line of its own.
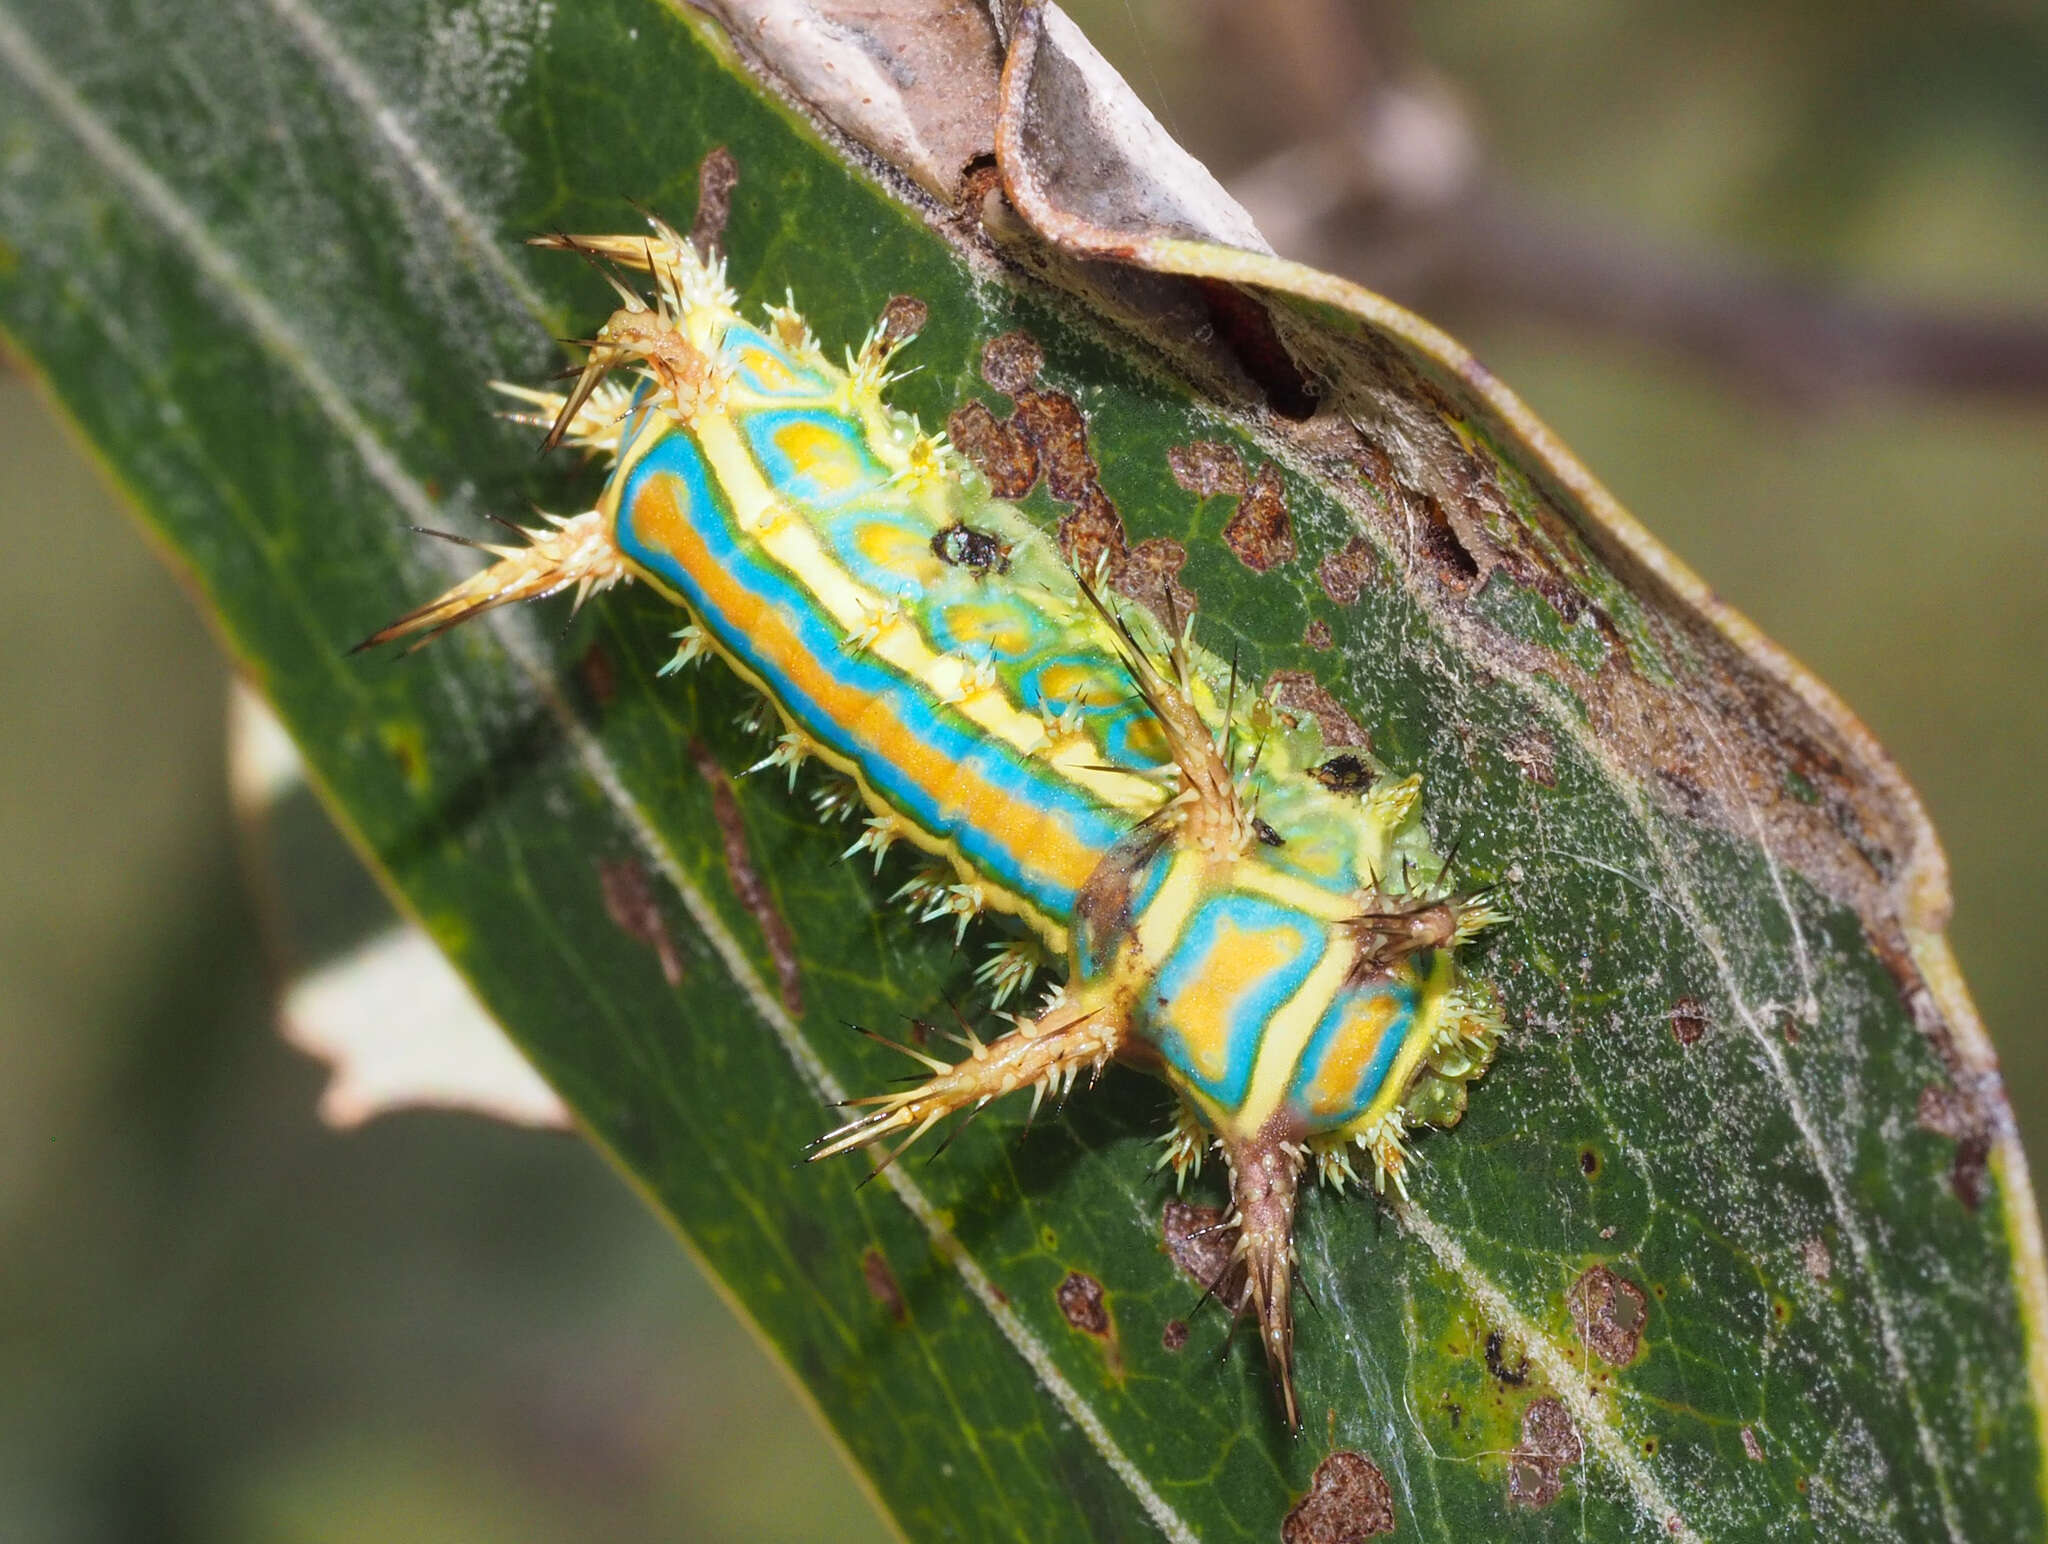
<point x="873" y="723"/>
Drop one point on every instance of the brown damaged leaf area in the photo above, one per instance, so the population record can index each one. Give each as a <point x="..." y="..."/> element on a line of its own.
<point x="1608" y="1311"/>
<point x="629" y="901"/>
<point x="1698" y="718"/>
<point x="1299" y="692"/>
<point x="717" y="175"/>
<point x="1261" y="533"/>
<point x="902" y="319"/>
<point x="881" y="1285"/>
<point x="1491" y="523"/>
<point x="1688" y="1021"/>
<point x="1451" y="477"/>
<point x="1207" y="468"/>
<point x="1348" y="1500"/>
<point x="1010" y="362"/>
<point x="1081" y="1304"/>
<point x="1687" y="714"/>
<point x="1150" y="575"/>
<point x="1005" y="455"/>
<point x="1202" y="1244"/>
<point x="1046" y="436"/>
<point x="1945" y="1112"/>
<point x="747" y="882"/>
<point x="1085" y="1307"/>
<point x="1550" y="1445"/>
<point x="1348" y="572"/>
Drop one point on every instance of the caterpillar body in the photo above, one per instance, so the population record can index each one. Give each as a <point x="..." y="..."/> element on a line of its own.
<point x="1260" y="924"/>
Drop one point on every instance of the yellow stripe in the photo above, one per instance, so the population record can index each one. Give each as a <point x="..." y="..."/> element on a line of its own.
<point x="1293" y="891"/>
<point x="1429" y="1012"/>
<point x="1159" y="927"/>
<point x="1288" y="1034"/>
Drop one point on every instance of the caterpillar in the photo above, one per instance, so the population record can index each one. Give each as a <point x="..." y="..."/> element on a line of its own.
<point x="1260" y="923"/>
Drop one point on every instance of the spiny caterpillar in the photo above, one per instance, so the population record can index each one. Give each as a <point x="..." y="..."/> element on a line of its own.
<point x="1262" y="925"/>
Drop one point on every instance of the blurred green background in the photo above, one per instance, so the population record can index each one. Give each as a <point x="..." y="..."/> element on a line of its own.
<point x="219" y="1320"/>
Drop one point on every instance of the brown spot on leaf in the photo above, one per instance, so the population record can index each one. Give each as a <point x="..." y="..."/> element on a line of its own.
<point x="1688" y="1020"/>
<point x="1011" y="363"/>
<point x="1053" y="423"/>
<point x="1299" y="692"/>
<point x="1093" y="534"/>
<point x="1608" y="1311"/>
<point x="747" y="883"/>
<point x="1348" y="1500"/>
<point x="903" y="318"/>
<point x="1207" y="468"/>
<point x="1751" y="1446"/>
<point x="1080" y="1299"/>
<point x="1006" y="457"/>
<point x="598" y="676"/>
<point x="1497" y="1363"/>
<point x="1966" y="1174"/>
<point x="1477" y="508"/>
<point x="1550" y="1444"/>
<point x="1047" y="436"/>
<point x="717" y="175"/>
<point x="1150" y="575"/>
<point x="1943" y="1112"/>
<point x="1174" y="1336"/>
<point x="1947" y="1111"/>
<point x="629" y="901"/>
<point x="1261" y="533"/>
<point x="1317" y="634"/>
<point x="1348" y="572"/>
<point x="1814" y="1255"/>
<point x="874" y="1270"/>
<point x="1198" y="1241"/>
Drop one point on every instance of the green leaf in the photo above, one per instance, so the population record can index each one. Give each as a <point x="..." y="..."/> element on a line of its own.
<point x="1737" y="1216"/>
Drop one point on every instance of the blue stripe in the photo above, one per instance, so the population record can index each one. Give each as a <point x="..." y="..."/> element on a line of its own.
<point x="793" y="481"/>
<point x="950" y="737"/>
<point x="739" y="337"/>
<point x="842" y="534"/>
<point x="1195" y="958"/>
<point x="1324" y="1040"/>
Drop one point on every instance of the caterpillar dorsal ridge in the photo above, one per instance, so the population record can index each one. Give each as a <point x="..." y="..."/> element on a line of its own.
<point x="1262" y="924"/>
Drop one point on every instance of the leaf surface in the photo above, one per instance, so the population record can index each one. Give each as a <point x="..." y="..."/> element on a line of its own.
<point x="1732" y="1242"/>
